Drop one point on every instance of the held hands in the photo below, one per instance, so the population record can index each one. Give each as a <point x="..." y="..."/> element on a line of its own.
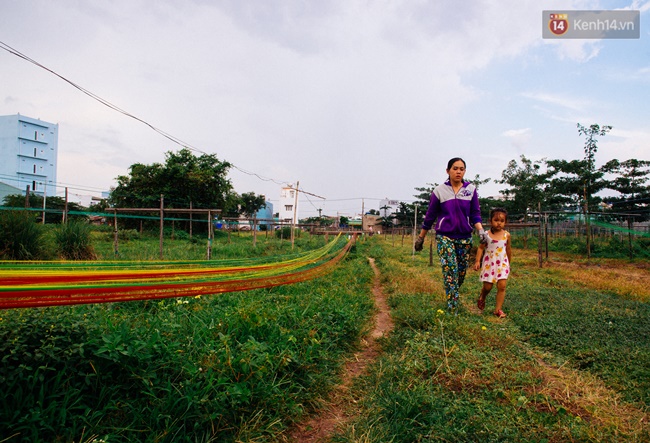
<point x="483" y="236"/>
<point x="419" y="243"/>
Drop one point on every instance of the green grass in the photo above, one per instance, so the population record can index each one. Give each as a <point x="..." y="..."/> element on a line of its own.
<point x="568" y="364"/>
<point x="525" y="379"/>
<point x="230" y="367"/>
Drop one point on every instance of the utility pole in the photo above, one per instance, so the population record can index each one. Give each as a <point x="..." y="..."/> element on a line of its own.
<point x="295" y="207"/>
<point x="295" y="213"/>
<point x="162" y="223"/>
<point x="44" y="199"/>
<point x="65" y="210"/>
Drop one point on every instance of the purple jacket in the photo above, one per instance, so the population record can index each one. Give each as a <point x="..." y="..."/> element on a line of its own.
<point x="456" y="214"/>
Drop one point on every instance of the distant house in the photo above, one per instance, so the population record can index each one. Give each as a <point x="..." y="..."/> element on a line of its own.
<point x="29" y="150"/>
<point x="265" y="215"/>
<point x="287" y="201"/>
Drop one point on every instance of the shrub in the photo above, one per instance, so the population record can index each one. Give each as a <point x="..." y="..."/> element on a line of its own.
<point x="124" y="234"/>
<point x="73" y="241"/>
<point x="285" y="232"/>
<point x="21" y="238"/>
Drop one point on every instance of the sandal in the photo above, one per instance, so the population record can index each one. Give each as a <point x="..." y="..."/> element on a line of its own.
<point x="480" y="304"/>
<point x="500" y="314"/>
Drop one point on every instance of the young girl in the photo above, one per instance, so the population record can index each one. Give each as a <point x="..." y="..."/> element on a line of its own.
<point x="495" y="265"/>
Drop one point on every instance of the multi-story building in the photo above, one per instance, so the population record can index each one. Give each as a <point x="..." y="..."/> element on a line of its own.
<point x="387" y="207"/>
<point x="286" y="210"/>
<point x="28" y="153"/>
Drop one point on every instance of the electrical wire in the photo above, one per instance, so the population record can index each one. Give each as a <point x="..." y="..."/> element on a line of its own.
<point x="110" y="105"/>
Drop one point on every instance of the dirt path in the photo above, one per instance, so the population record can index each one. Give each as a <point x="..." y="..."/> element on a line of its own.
<point x="318" y="428"/>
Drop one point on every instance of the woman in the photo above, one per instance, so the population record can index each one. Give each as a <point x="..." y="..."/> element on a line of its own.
<point x="455" y="208"/>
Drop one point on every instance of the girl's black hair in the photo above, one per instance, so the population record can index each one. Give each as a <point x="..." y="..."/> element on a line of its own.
<point x="451" y="162"/>
<point x="497" y="211"/>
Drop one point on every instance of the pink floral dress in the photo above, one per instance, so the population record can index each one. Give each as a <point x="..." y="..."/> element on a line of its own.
<point x="495" y="265"/>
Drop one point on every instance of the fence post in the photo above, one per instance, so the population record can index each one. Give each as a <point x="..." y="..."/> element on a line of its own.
<point x="65" y="210"/>
<point x="629" y="236"/>
<point x="539" y="234"/>
<point x="162" y="222"/>
<point x="27" y="197"/>
<point x="210" y="234"/>
<point x="115" y="233"/>
<point x="546" y="233"/>
<point x="254" y="230"/>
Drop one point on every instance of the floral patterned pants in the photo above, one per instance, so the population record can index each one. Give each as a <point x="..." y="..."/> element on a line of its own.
<point x="454" y="255"/>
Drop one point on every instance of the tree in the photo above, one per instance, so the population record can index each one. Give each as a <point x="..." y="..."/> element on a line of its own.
<point x="576" y="182"/>
<point x="250" y="204"/>
<point x="184" y="179"/>
<point x="592" y="177"/>
<point x="404" y="215"/>
<point x="54" y="207"/>
<point x="422" y="199"/>
<point x="631" y="182"/>
<point x="526" y="185"/>
<point x="566" y="186"/>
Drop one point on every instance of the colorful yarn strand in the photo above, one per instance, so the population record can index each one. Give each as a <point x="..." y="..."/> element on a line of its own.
<point x="64" y="283"/>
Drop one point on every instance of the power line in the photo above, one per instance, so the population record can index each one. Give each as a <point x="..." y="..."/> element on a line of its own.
<point x="110" y="105"/>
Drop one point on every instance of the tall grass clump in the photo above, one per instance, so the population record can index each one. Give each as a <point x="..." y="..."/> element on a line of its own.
<point x="21" y="238"/>
<point x="73" y="241"/>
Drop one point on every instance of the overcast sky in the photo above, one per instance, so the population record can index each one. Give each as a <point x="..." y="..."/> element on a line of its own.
<point x="357" y="100"/>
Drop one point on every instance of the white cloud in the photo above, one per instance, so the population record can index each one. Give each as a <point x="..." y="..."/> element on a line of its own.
<point x="352" y="98"/>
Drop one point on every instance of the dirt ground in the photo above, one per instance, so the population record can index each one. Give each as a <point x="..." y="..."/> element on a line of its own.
<point x="319" y="427"/>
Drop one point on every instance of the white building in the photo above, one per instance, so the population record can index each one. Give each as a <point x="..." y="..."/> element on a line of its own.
<point x="28" y="153"/>
<point x="288" y="199"/>
<point x="387" y="207"/>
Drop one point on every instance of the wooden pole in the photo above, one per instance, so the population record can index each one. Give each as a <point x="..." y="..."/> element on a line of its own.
<point x="629" y="236"/>
<point x="162" y="223"/>
<point x="539" y="234"/>
<point x="546" y="233"/>
<point x="115" y="245"/>
<point x="210" y="233"/>
<point x="587" y="224"/>
<point x="65" y="210"/>
<point x="415" y="222"/>
<point x="191" y="220"/>
<point x="254" y="230"/>
<point x="44" y="199"/>
<point x="295" y="213"/>
<point x="27" y="197"/>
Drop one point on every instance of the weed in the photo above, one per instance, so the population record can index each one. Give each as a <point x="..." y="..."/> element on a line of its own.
<point x="73" y="241"/>
<point x="21" y="238"/>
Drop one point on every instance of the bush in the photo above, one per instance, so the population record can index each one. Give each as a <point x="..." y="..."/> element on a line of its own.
<point x="124" y="234"/>
<point x="73" y="241"/>
<point x="285" y="232"/>
<point x="21" y="238"/>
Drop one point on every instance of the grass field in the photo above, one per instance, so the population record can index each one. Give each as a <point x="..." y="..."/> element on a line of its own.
<point x="570" y="363"/>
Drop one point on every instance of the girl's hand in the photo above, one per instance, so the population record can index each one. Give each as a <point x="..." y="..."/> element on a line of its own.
<point x="477" y="266"/>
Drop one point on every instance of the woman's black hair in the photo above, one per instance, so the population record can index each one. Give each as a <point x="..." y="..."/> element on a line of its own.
<point x="498" y="211"/>
<point x="451" y="162"/>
